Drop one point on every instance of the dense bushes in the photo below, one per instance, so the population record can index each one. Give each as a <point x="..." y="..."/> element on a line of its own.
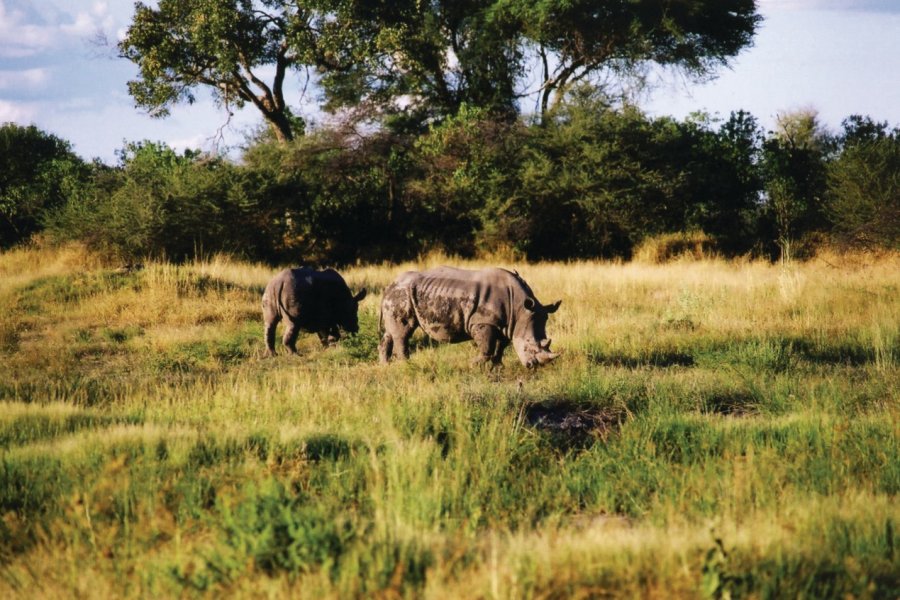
<point x="160" y="203"/>
<point x="590" y="180"/>
<point x="863" y="198"/>
<point x="37" y="172"/>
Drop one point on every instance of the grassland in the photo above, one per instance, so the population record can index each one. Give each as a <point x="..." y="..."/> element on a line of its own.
<point x="713" y="429"/>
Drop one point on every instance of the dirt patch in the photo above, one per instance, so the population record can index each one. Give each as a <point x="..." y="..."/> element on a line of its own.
<point x="571" y="424"/>
<point x="733" y="403"/>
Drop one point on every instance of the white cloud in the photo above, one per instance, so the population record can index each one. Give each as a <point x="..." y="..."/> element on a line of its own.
<point x="88" y="23"/>
<point x="24" y="34"/>
<point x="16" y="112"/>
<point x="19" y="39"/>
<point x="29" y="79"/>
<point x="843" y="5"/>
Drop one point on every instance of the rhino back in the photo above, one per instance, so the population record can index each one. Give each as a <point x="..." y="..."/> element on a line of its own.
<point x="450" y="302"/>
<point x="307" y="296"/>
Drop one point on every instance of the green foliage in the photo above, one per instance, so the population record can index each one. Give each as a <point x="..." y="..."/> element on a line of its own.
<point x="794" y="167"/>
<point x="160" y="203"/>
<point x="331" y="196"/>
<point x="863" y="200"/>
<point x="593" y="179"/>
<point x="400" y="49"/>
<point x="38" y="171"/>
<point x="219" y="45"/>
<point x="586" y="39"/>
<point x="463" y="170"/>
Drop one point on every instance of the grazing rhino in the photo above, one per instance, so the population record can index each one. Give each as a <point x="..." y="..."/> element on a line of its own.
<point x="493" y="307"/>
<point x="308" y="300"/>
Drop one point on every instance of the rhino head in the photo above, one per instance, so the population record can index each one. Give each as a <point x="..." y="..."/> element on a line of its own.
<point x="345" y="316"/>
<point x="530" y="336"/>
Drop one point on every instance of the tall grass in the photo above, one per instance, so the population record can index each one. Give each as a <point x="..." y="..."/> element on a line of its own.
<point x="712" y="429"/>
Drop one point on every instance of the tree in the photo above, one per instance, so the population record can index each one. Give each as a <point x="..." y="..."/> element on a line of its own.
<point x="426" y="59"/>
<point x="37" y="171"/>
<point x="580" y="39"/>
<point x="421" y="59"/>
<point x="723" y="179"/>
<point x="443" y="53"/>
<point x="432" y="57"/>
<point x="794" y="165"/>
<point x="222" y="46"/>
<point x="863" y="198"/>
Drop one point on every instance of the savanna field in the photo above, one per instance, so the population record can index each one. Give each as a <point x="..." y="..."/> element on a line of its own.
<point x="712" y="429"/>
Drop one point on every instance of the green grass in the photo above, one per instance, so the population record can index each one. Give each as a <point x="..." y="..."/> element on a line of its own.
<point x="711" y="430"/>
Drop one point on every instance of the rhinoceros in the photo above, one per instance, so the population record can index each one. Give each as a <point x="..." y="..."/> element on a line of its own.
<point x="309" y="300"/>
<point x="493" y="307"/>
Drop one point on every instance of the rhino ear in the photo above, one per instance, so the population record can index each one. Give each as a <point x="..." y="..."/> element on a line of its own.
<point x="552" y="308"/>
<point x="359" y="297"/>
<point x="530" y="304"/>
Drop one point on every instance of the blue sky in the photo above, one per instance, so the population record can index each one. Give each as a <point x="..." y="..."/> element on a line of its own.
<point x="838" y="57"/>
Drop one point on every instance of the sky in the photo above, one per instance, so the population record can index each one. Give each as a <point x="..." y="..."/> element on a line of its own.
<point x="838" y="57"/>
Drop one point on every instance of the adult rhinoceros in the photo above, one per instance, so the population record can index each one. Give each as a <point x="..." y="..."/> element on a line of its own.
<point x="493" y="307"/>
<point x="308" y="300"/>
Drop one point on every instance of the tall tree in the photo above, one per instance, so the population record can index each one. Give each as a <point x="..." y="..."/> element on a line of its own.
<point x="420" y="58"/>
<point x="580" y="39"/>
<point x="222" y="46"/>
<point x="443" y="53"/>
<point x="794" y="162"/>
<point x="426" y="58"/>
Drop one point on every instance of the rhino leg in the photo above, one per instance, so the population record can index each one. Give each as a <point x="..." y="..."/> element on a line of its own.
<point x="328" y="337"/>
<point x="395" y="344"/>
<point x="497" y="356"/>
<point x="289" y="339"/>
<point x="385" y="348"/>
<point x="401" y="347"/>
<point x="270" y="321"/>
<point x="399" y="319"/>
<point x="490" y="345"/>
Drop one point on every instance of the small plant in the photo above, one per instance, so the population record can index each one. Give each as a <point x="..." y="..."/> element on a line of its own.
<point x="718" y="582"/>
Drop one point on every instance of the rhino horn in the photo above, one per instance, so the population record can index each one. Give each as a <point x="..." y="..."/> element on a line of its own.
<point x="546" y="356"/>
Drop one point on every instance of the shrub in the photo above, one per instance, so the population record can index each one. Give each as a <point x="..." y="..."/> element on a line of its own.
<point x="864" y="193"/>
<point x="157" y="204"/>
<point x="667" y="247"/>
<point x="37" y="171"/>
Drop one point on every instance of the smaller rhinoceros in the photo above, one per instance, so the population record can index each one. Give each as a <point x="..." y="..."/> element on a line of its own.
<point x="308" y="300"/>
<point x="493" y="307"/>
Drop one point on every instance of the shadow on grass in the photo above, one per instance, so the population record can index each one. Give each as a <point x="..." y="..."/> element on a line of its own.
<point x="649" y="358"/>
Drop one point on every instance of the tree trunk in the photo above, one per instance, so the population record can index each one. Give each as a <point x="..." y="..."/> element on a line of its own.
<point x="280" y="124"/>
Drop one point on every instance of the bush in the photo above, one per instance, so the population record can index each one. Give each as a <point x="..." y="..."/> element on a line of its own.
<point x="158" y="204"/>
<point x="37" y="172"/>
<point x="694" y="245"/>
<point x="864" y="193"/>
